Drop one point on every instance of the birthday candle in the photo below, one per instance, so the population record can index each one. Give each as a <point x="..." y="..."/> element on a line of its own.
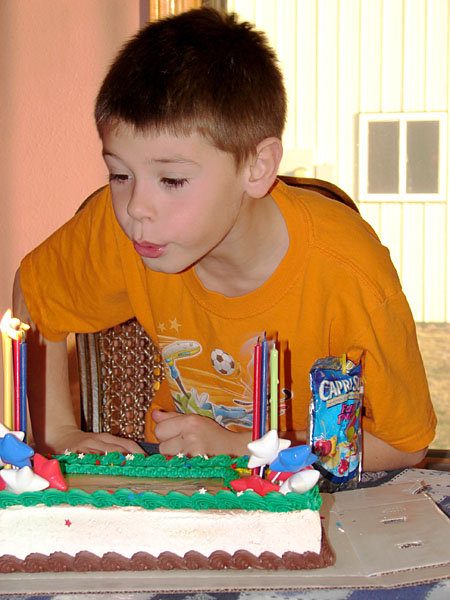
<point x="256" y="389"/>
<point x="7" y="368"/>
<point x="11" y="329"/>
<point x="16" y="356"/>
<point x="264" y="381"/>
<point x="23" y="387"/>
<point x="274" y="388"/>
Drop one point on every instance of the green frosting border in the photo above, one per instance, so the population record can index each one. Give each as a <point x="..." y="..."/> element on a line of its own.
<point x="154" y="466"/>
<point x="158" y="466"/>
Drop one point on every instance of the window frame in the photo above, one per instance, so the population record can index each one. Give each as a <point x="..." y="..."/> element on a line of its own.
<point x="363" y="156"/>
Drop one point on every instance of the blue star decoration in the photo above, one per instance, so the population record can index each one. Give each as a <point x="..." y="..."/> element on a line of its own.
<point x="15" y="452"/>
<point x="293" y="459"/>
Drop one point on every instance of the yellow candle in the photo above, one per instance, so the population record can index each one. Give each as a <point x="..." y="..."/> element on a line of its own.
<point x="8" y="327"/>
<point x="7" y="380"/>
<point x="274" y="388"/>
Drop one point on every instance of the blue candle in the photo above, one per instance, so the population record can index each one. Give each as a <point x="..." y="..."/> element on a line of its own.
<point x="23" y="387"/>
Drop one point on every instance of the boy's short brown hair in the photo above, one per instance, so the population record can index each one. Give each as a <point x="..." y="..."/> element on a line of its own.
<point x="200" y="71"/>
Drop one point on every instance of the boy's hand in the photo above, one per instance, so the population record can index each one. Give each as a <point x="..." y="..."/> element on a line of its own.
<point x="97" y="443"/>
<point x="192" y="435"/>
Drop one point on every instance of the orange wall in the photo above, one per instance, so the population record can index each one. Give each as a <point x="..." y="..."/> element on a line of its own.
<point x="53" y="56"/>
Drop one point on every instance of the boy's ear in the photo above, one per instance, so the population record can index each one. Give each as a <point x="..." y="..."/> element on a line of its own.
<point x="263" y="167"/>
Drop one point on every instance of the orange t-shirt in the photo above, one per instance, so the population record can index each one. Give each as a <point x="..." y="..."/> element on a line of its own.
<point x="336" y="291"/>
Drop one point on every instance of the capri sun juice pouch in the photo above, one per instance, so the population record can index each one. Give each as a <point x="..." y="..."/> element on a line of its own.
<point x="335" y="422"/>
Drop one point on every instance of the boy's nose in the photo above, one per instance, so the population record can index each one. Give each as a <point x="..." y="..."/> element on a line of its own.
<point x="140" y="205"/>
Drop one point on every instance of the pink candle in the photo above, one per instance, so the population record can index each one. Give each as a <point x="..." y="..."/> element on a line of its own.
<point x="263" y="391"/>
<point x="16" y="352"/>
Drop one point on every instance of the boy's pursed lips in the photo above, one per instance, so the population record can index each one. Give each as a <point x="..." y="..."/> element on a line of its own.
<point x="149" y="250"/>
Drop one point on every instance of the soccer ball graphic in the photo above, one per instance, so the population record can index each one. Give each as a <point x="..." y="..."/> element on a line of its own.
<point x="222" y="362"/>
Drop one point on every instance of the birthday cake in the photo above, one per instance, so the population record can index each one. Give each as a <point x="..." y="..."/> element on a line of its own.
<point x="137" y="512"/>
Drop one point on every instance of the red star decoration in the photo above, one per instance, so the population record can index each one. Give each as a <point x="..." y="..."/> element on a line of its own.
<point x="49" y="470"/>
<point x="68" y="523"/>
<point x="255" y="483"/>
<point x="2" y="484"/>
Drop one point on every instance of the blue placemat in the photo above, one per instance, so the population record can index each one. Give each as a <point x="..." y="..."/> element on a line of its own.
<point x="430" y="591"/>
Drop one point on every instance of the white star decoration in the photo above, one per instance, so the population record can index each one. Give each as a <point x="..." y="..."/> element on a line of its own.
<point x="300" y="482"/>
<point x="66" y="452"/>
<point x="266" y="449"/>
<point x="129" y="457"/>
<point x="4" y="430"/>
<point x="81" y="455"/>
<point x="180" y="455"/>
<point x="202" y="491"/>
<point x="23" y="480"/>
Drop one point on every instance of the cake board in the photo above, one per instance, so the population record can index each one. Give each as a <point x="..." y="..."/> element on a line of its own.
<point x="375" y="533"/>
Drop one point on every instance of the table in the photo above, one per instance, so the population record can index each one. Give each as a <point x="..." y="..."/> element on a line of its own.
<point x="334" y="583"/>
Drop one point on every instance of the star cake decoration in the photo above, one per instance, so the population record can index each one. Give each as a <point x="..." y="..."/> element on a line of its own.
<point x="293" y="459"/>
<point x="255" y="483"/>
<point x="23" y="480"/>
<point x="15" y="452"/>
<point x="265" y="449"/>
<point x="51" y="471"/>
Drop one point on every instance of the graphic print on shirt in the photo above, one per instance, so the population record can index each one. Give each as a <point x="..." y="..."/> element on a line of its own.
<point x="211" y="383"/>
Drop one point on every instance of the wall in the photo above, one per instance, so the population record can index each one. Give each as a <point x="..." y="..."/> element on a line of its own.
<point x="53" y="56"/>
<point x="343" y="58"/>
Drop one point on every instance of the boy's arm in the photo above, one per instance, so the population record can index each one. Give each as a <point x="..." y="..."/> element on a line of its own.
<point x="194" y="434"/>
<point x="53" y="421"/>
<point x="380" y="456"/>
<point x="377" y="454"/>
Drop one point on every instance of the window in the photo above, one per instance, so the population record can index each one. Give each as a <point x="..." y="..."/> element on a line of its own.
<point x="402" y="156"/>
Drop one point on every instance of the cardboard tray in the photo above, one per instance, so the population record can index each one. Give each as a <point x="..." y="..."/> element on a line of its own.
<point x="388" y="536"/>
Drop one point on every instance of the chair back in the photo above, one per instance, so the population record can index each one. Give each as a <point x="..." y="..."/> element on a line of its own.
<point x="326" y="188"/>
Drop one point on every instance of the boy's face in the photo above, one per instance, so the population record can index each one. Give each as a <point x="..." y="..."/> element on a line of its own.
<point x="177" y="198"/>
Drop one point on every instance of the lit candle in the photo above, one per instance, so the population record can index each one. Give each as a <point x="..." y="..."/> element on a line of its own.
<point x="274" y="388"/>
<point x="264" y="381"/>
<point x="256" y="389"/>
<point x="7" y="368"/>
<point x="11" y="329"/>
<point x="23" y="386"/>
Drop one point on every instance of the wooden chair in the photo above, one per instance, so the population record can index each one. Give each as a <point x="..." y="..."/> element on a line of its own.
<point x="330" y="190"/>
<point x="120" y="369"/>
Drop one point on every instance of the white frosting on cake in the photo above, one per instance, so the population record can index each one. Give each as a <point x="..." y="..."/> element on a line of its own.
<point x="127" y="530"/>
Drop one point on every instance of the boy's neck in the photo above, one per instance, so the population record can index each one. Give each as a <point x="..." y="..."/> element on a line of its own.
<point x="257" y="246"/>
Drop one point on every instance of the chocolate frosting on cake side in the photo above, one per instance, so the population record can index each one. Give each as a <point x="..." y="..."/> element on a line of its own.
<point x="142" y="561"/>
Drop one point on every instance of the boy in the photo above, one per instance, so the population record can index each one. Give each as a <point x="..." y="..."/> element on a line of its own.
<point x="197" y="238"/>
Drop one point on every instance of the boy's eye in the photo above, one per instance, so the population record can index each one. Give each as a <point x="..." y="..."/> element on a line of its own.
<point x="118" y="177"/>
<point x="173" y="182"/>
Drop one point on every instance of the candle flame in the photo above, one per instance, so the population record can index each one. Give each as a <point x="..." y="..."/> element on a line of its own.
<point x="12" y="326"/>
